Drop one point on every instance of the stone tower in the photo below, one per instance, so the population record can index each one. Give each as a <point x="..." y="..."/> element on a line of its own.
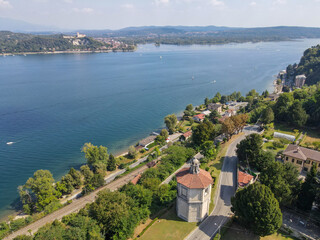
<point x="193" y="193"/>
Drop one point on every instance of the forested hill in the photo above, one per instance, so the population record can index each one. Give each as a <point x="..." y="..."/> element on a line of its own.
<point x="206" y="35"/>
<point x="17" y="43"/>
<point x="310" y="65"/>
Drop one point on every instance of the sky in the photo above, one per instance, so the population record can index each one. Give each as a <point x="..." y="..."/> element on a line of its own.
<point x="115" y="14"/>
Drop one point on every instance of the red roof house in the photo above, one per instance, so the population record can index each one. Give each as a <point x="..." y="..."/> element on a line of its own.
<point x="244" y="179"/>
<point x="199" y="118"/>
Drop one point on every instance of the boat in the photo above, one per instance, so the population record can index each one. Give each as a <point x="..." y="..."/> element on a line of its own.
<point x="214" y="81"/>
<point x="160" y="57"/>
<point x="192" y="77"/>
<point x="10" y="143"/>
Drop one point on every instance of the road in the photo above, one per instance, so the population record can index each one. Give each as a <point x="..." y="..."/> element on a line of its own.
<point x="79" y="203"/>
<point x="226" y="189"/>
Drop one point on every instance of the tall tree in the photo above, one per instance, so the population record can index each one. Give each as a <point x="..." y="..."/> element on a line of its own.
<point x="95" y="154"/>
<point x="39" y="191"/>
<point x="308" y="190"/>
<point x="171" y="122"/>
<point x="267" y="115"/>
<point x="297" y="114"/>
<point x="248" y="150"/>
<point x="203" y="132"/>
<point x="112" y="163"/>
<point x="256" y="208"/>
<point x="228" y="127"/>
<point x="282" y="106"/>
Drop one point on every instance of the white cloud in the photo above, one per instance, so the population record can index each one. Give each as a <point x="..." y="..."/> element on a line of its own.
<point x="127" y="6"/>
<point x="279" y="2"/>
<point x="253" y="4"/>
<point x="217" y="3"/>
<point x="83" y="10"/>
<point x="68" y="1"/>
<point x="5" y="4"/>
<point x="162" y="2"/>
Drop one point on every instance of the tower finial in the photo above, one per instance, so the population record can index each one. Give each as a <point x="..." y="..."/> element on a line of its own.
<point x="195" y="166"/>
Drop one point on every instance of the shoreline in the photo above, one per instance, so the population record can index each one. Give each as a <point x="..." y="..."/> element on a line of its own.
<point x="65" y="52"/>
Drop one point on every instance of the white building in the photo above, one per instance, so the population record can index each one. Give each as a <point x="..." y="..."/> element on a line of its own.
<point x="194" y="193"/>
<point x="300" y="81"/>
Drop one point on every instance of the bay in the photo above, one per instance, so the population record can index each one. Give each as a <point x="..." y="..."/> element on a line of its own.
<point x="50" y="105"/>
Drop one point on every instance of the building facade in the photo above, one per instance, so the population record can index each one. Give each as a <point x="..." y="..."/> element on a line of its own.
<point x="300" y="81"/>
<point x="302" y="157"/>
<point x="193" y="193"/>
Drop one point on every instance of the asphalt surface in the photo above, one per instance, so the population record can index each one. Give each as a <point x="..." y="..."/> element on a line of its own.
<point x="226" y="189"/>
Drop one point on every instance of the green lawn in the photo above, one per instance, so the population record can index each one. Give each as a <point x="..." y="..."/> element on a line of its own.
<point x="268" y="146"/>
<point x="168" y="227"/>
<point x="236" y="232"/>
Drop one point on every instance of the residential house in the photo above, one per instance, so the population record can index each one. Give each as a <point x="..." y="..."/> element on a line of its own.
<point x="300" y="81"/>
<point x="302" y="157"/>
<point x="215" y="107"/>
<point x="199" y="118"/>
<point x="207" y="112"/>
<point x="244" y="179"/>
<point x="145" y="142"/>
<point x="186" y="136"/>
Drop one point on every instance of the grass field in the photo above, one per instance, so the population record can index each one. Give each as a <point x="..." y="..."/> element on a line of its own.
<point x="168" y="227"/>
<point x="268" y="146"/>
<point x="236" y="232"/>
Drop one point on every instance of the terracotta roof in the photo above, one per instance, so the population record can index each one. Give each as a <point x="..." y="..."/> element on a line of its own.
<point x="200" y="180"/>
<point x="200" y="116"/>
<point x="136" y="179"/>
<point x="244" y="178"/>
<point x="187" y="134"/>
<point x="301" y="153"/>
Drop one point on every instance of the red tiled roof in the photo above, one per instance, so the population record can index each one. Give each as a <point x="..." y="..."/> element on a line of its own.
<point x="200" y="180"/>
<point x="301" y="153"/>
<point x="244" y="178"/>
<point x="136" y="179"/>
<point x="200" y="116"/>
<point x="187" y="134"/>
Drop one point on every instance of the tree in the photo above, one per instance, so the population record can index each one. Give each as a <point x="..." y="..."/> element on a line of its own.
<point x="253" y="93"/>
<point x="39" y="191"/>
<point x="203" y="132"/>
<point x="256" y="208"/>
<point x="112" y="163"/>
<point x="297" y="114"/>
<point x="76" y="176"/>
<point x="248" y="149"/>
<point x="171" y="122"/>
<point x="189" y="107"/>
<point x="267" y="115"/>
<point x="132" y="152"/>
<point x="95" y="154"/>
<point x="87" y="173"/>
<point x="68" y="183"/>
<point x="208" y="149"/>
<point x="164" y="133"/>
<point x="113" y="210"/>
<point x="264" y="159"/>
<point x="283" y="181"/>
<point x="224" y="99"/>
<point x="282" y="106"/>
<point x="214" y="115"/>
<point x="206" y="101"/>
<point x="308" y="191"/>
<point x="228" y="128"/>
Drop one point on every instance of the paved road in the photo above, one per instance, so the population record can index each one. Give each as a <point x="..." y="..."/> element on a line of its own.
<point x="226" y="189"/>
<point x="79" y="203"/>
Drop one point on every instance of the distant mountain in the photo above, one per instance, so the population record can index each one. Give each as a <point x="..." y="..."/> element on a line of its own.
<point x="13" y="25"/>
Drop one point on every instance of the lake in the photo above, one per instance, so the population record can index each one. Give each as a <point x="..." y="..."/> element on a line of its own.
<point x="50" y="105"/>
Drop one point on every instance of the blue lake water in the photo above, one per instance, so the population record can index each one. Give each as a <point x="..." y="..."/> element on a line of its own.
<point x="50" y="105"/>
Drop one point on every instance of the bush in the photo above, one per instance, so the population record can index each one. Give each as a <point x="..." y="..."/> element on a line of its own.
<point x="277" y="144"/>
<point x="122" y="165"/>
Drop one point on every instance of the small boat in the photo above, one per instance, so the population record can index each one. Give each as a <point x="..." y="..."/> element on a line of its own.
<point x="160" y="57"/>
<point x="25" y="55"/>
<point x="10" y="143"/>
<point x="192" y="77"/>
<point x="214" y="81"/>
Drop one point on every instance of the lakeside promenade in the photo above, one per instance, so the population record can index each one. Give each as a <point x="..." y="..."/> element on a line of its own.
<point x="77" y="204"/>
